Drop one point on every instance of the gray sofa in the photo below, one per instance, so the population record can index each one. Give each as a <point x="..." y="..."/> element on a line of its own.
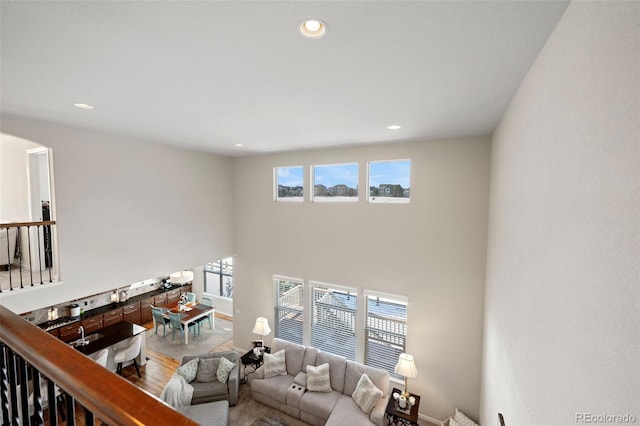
<point x="288" y="392"/>
<point x="216" y="391"/>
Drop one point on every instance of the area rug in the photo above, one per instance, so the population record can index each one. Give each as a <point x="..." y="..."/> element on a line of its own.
<point x="270" y="421"/>
<point x="207" y="341"/>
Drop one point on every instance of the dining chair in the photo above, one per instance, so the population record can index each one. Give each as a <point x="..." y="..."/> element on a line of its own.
<point x="207" y="300"/>
<point x="160" y="320"/>
<point x="129" y="353"/>
<point x="191" y="297"/>
<point x="174" y="319"/>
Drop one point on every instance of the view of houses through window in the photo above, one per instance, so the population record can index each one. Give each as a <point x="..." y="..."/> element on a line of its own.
<point x="336" y="182"/>
<point x="218" y="277"/>
<point x="333" y="321"/>
<point x="289" y="183"/>
<point x="389" y="181"/>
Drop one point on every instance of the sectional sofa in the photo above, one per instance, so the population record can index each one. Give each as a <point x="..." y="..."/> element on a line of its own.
<point x="295" y="390"/>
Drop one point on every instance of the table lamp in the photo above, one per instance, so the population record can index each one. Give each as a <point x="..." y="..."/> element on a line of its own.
<point x="406" y="367"/>
<point x="262" y="328"/>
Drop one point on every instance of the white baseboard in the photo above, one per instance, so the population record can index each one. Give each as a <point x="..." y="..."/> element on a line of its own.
<point x="431" y="419"/>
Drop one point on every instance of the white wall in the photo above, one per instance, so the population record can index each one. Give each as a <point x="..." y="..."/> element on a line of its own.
<point x="14" y="185"/>
<point x="562" y="324"/>
<point x="431" y="250"/>
<point x="126" y="210"/>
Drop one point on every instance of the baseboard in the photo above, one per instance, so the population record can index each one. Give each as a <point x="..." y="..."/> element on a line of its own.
<point x="431" y="419"/>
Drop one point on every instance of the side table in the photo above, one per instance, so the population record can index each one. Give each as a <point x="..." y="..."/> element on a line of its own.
<point x="252" y="361"/>
<point x="398" y="416"/>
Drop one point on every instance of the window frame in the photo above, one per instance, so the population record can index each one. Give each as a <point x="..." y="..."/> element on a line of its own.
<point x="388" y="200"/>
<point x="221" y="273"/>
<point x="278" y="330"/>
<point x="324" y="199"/>
<point x="318" y="337"/>
<point x="399" y="348"/>
<point x="276" y="196"/>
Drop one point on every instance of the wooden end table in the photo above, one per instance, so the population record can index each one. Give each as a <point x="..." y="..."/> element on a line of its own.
<point x="253" y="361"/>
<point x="397" y="416"/>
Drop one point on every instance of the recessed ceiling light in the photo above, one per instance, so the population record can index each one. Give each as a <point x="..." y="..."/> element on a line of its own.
<point x="313" y="28"/>
<point x="393" y="127"/>
<point x="239" y="145"/>
<point x="83" y="106"/>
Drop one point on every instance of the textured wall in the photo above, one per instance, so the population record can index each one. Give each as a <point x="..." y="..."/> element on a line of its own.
<point x="563" y="273"/>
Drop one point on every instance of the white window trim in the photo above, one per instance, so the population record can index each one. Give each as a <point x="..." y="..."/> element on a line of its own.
<point x="275" y="186"/>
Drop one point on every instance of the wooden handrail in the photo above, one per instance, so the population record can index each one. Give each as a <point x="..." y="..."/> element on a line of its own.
<point x="111" y="398"/>
<point x="19" y="224"/>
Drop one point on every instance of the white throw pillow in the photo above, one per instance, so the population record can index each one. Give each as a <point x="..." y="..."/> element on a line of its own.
<point x="462" y="419"/>
<point x="366" y="395"/>
<point x="318" y="379"/>
<point x="275" y="364"/>
<point x="189" y="370"/>
<point x="224" y="368"/>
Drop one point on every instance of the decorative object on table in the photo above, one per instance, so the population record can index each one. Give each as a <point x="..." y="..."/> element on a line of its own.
<point x="396" y="414"/>
<point x="406" y="367"/>
<point x="402" y="402"/>
<point x="261" y="328"/>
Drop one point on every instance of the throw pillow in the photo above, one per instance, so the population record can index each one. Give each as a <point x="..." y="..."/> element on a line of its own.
<point x="189" y="370"/>
<point x="366" y="395"/>
<point x="453" y="422"/>
<point x="318" y="379"/>
<point x="224" y="368"/>
<point x="462" y="419"/>
<point x="207" y="370"/>
<point x="275" y="364"/>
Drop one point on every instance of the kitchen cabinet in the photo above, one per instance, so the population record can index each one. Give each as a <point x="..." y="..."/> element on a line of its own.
<point x="186" y="289"/>
<point x="54" y="332"/>
<point x="173" y="296"/>
<point x="131" y="313"/>
<point x="92" y="324"/>
<point x="145" y="310"/>
<point x="70" y="332"/>
<point x="160" y="300"/>
<point x="112" y="317"/>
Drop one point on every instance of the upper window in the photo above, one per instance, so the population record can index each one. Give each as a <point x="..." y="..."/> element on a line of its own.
<point x="289" y="184"/>
<point x="289" y="309"/>
<point x="385" y="330"/>
<point x="335" y="182"/>
<point x="333" y="323"/>
<point x="389" y="181"/>
<point x="218" y="278"/>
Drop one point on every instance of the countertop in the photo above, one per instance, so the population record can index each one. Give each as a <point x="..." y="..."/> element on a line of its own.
<point x="111" y="335"/>
<point x="53" y="324"/>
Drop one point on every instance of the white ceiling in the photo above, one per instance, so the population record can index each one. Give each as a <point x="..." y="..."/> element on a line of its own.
<point x="207" y="75"/>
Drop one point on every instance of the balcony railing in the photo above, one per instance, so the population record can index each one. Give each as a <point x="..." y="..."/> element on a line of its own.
<point x="32" y="356"/>
<point x="27" y="252"/>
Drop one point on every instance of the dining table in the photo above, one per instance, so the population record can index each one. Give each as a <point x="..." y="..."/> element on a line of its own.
<point x="190" y="312"/>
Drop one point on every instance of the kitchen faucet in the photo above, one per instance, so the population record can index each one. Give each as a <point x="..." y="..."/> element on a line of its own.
<point x="81" y="330"/>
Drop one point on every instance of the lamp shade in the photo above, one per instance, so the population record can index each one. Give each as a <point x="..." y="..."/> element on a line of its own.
<point x="181" y="277"/>
<point x="406" y="366"/>
<point x="261" y="327"/>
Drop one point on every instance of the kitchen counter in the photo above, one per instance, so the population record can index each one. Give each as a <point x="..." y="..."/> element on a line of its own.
<point x="50" y="325"/>
<point x="111" y="335"/>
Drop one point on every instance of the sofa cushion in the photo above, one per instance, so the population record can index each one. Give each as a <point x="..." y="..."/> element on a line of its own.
<point x="319" y="404"/>
<point x="294" y="354"/>
<point x="318" y="379"/>
<point x="347" y="413"/>
<point x="337" y="367"/>
<point x="366" y="394"/>
<point x="206" y="390"/>
<point x="207" y="368"/>
<point x="355" y="370"/>
<point x="301" y="379"/>
<point x="189" y="370"/>
<point x="276" y="387"/>
<point x="224" y="368"/>
<point x="275" y="364"/>
<point x="310" y="355"/>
